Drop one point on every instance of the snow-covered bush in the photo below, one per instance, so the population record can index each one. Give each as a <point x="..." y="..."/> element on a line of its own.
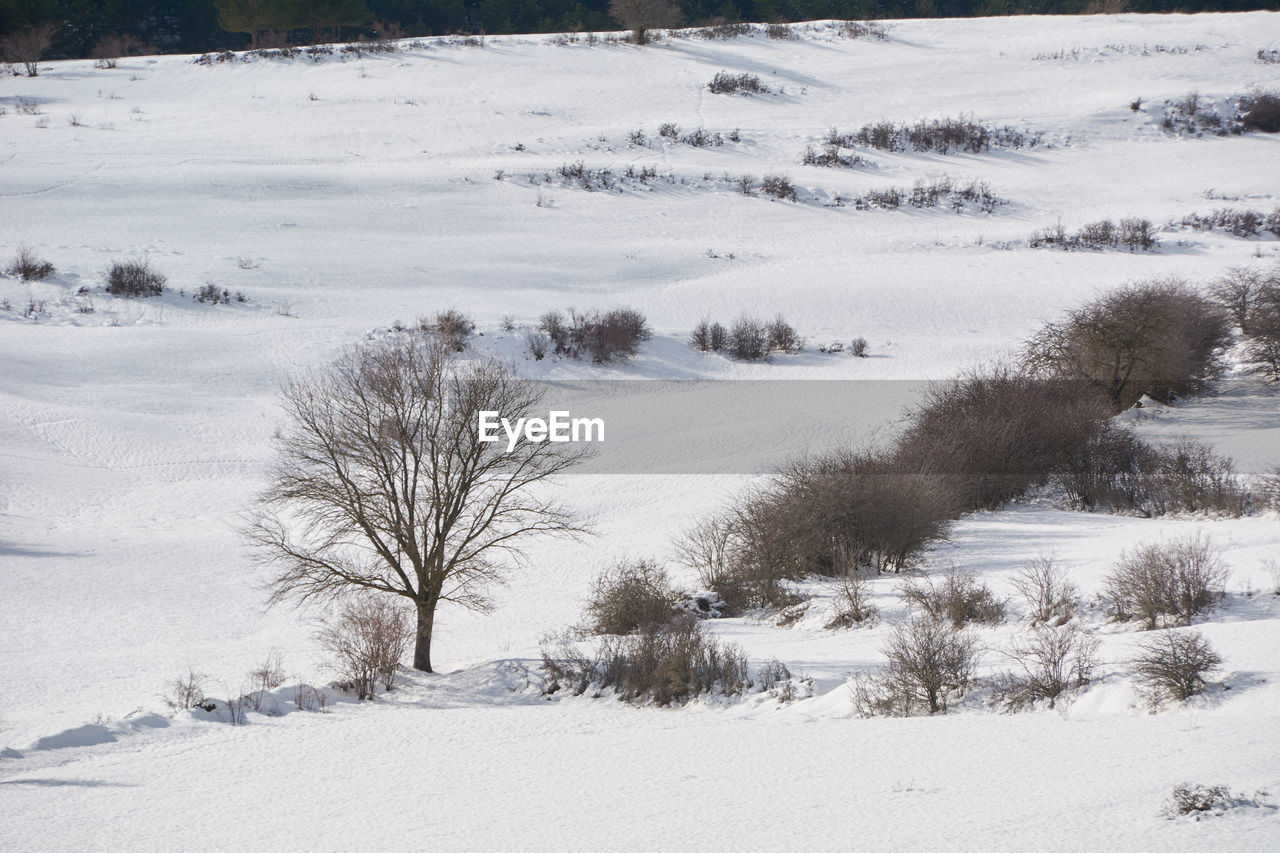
<point x="367" y="637"/>
<point x="1133" y="234"/>
<point x="186" y="691"/>
<point x="929" y="662"/>
<point x="29" y="266"/>
<point x="725" y="83"/>
<point x="959" y="598"/>
<point x="1174" y="664"/>
<point x="264" y="678"/>
<point x="605" y="337"/>
<point x="212" y="294"/>
<point x="134" y="278"/>
<point x="748" y="339"/>
<point x="778" y="186"/>
<point x="664" y="665"/>
<point x="1048" y="591"/>
<point x="1054" y="660"/>
<point x="453" y="327"/>
<point x="1178" y="579"/>
<point x="940" y="135"/>
<point x="629" y="596"/>
<point x="783" y="336"/>
<point x="852" y="606"/>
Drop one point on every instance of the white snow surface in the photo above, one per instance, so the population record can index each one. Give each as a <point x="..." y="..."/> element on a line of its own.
<point x="346" y="195"/>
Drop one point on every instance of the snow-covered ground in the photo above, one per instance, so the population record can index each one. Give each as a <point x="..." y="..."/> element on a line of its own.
<point x="346" y="195"/>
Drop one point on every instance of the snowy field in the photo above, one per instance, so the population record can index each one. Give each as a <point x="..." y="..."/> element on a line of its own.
<point x="346" y="195"/>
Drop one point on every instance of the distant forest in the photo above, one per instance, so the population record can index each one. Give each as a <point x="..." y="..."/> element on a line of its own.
<point x="196" y="26"/>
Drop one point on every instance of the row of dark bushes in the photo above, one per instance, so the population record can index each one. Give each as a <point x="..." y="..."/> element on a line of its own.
<point x="1241" y="222"/>
<point x="748" y="339"/>
<point x="1134" y="234"/>
<point x="985" y="439"/>
<point x="942" y="136"/>
<point x="602" y="336"/>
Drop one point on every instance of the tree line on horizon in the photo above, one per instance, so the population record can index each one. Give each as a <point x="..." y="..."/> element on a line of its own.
<point x="196" y="26"/>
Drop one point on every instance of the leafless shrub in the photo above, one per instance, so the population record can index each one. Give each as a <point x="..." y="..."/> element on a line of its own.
<point x="1137" y="235"/>
<point x="1054" y="660"/>
<point x="367" y="638"/>
<point x="186" y="691"/>
<point x="666" y="666"/>
<point x="134" y="278"/>
<point x="237" y="707"/>
<point x="942" y="136"/>
<point x="537" y="343"/>
<point x="29" y="266"/>
<point x="863" y="29"/>
<point x="1240" y="289"/>
<point x="725" y="83"/>
<point x="852" y="606"/>
<point x="604" y="336"/>
<point x="830" y="156"/>
<point x="847" y="511"/>
<point x="748" y="339"/>
<point x="265" y="678"/>
<point x="1175" y="664"/>
<point x="1160" y="338"/>
<point x="995" y="434"/>
<point x="1133" y="234"/>
<point x="1239" y="222"/>
<point x="733" y="553"/>
<point x="783" y="337"/>
<point x="1272" y="567"/>
<point x="858" y="348"/>
<point x="959" y="598"/>
<point x="778" y="186"/>
<point x="929" y="661"/>
<point x="28" y="45"/>
<point x="1188" y="799"/>
<point x="632" y="595"/>
<point x="1179" y="579"/>
<point x="212" y="294"/>
<point x="306" y="698"/>
<point x="779" y="31"/>
<point x="1187" y="476"/>
<point x="453" y="327"/>
<point x="700" y="337"/>
<point x="1261" y="111"/>
<point x="1049" y="592"/>
<point x="1257" y="302"/>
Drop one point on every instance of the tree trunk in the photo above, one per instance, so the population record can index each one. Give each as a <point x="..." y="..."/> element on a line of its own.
<point x="422" y="645"/>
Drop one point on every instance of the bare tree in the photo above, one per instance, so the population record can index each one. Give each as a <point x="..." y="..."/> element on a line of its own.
<point x="640" y="16"/>
<point x="1157" y="337"/>
<point x="28" y="45"/>
<point x="382" y="482"/>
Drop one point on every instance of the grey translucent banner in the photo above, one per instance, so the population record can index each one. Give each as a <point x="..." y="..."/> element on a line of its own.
<point x="751" y="427"/>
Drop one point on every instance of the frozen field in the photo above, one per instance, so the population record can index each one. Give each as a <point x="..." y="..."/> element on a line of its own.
<point x="346" y="195"/>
